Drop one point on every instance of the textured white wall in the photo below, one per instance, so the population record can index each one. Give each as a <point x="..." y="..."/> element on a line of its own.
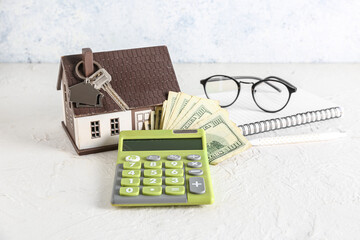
<point x="194" y="31"/>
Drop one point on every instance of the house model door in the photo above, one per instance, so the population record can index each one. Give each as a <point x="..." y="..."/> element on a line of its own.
<point x="140" y="117"/>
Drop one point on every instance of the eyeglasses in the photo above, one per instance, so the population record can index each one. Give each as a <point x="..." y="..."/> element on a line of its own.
<point x="271" y="94"/>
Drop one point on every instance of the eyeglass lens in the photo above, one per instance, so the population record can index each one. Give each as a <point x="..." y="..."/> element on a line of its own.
<point x="271" y="95"/>
<point x="223" y="89"/>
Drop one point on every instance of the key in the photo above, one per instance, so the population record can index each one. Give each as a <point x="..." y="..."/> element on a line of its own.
<point x="193" y="157"/>
<point x="101" y="80"/>
<point x="175" y="190"/>
<point x="194" y="164"/>
<point x="173" y="181"/>
<point x="129" y="191"/>
<point x="197" y="185"/>
<point x="195" y="172"/>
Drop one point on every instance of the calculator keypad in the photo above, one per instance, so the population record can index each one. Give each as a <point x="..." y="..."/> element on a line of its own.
<point x="131" y="173"/>
<point x="132" y="165"/>
<point x="157" y="180"/>
<point x="174" y="181"/>
<point x="173" y="157"/>
<point x="194" y="157"/>
<point x="195" y="172"/>
<point x="175" y="190"/>
<point x="152" y="191"/>
<point x="152" y="173"/>
<point x="174" y="164"/>
<point x="153" y="165"/>
<point x="132" y="158"/>
<point x="197" y="185"/>
<point x="153" y="158"/>
<point x="129" y="191"/>
<point x="130" y="182"/>
<point x="152" y="181"/>
<point x="194" y="164"/>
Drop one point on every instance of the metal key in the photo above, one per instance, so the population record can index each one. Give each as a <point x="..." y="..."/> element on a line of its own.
<point x="101" y="80"/>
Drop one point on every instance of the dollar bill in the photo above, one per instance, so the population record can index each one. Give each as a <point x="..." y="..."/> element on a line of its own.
<point x="147" y="125"/>
<point x="152" y="120"/>
<point x="224" y="138"/>
<point x="201" y="110"/>
<point x="158" y="113"/>
<point x="172" y="99"/>
<point x="193" y="100"/>
<point x="181" y="102"/>
<point x="162" y="114"/>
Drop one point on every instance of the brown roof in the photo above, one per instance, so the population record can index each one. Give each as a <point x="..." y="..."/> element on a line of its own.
<point x="142" y="77"/>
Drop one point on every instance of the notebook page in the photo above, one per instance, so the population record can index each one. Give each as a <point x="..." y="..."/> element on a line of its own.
<point x="245" y="111"/>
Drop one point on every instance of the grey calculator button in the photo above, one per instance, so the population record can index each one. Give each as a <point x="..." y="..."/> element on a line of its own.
<point x="153" y="158"/>
<point x="195" y="172"/>
<point x="197" y="185"/>
<point x="194" y="157"/>
<point x="194" y="164"/>
<point x="173" y="157"/>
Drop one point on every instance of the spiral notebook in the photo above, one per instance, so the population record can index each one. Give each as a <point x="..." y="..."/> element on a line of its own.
<point x="303" y="108"/>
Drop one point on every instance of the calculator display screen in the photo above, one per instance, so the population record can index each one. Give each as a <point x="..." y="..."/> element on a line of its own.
<point x="162" y="144"/>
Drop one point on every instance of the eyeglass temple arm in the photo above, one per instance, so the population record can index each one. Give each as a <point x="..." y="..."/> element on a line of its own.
<point x="285" y="82"/>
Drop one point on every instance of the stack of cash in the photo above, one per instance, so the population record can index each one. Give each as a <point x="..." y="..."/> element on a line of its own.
<point x="182" y="111"/>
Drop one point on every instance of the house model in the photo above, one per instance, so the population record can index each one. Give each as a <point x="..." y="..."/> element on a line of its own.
<point x="141" y="77"/>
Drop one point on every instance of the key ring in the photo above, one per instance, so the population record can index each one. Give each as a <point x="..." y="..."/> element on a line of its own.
<point x="79" y="74"/>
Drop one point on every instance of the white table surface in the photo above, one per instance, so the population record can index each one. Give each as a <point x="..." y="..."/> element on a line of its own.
<point x="298" y="191"/>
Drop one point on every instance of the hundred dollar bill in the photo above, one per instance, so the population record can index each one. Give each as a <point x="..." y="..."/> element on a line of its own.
<point x="181" y="102"/>
<point x="146" y="125"/>
<point x="201" y="110"/>
<point x="152" y="120"/>
<point x="223" y="137"/>
<point x="162" y="114"/>
<point x="158" y="113"/>
<point x="193" y="100"/>
<point x="172" y="98"/>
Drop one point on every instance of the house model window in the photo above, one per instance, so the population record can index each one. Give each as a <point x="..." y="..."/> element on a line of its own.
<point x="142" y="77"/>
<point x="95" y="129"/>
<point x="114" y="126"/>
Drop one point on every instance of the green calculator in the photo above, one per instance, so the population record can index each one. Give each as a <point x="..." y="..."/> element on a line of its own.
<point x="162" y="167"/>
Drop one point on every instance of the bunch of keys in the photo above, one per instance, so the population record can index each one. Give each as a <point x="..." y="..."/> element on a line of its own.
<point x="101" y="80"/>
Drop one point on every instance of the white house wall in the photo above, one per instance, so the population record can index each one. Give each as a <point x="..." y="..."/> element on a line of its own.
<point x="83" y="129"/>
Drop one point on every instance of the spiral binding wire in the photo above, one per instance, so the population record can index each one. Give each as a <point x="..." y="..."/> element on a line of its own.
<point x="290" y="121"/>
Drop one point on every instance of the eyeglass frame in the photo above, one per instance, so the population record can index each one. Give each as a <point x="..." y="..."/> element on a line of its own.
<point x="291" y="88"/>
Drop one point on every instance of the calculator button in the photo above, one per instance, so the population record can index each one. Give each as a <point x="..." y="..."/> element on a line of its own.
<point x="193" y="157"/>
<point x="132" y="158"/>
<point x="132" y="165"/>
<point x="153" y="158"/>
<point x="152" y="191"/>
<point x="173" y="157"/>
<point x="175" y="190"/>
<point x="194" y="164"/>
<point x="197" y="185"/>
<point x="195" y="172"/>
<point x="130" y="182"/>
<point x="152" y="165"/>
<point x="153" y="173"/>
<point x="131" y="173"/>
<point x="174" y="181"/>
<point x="129" y="191"/>
<point x="152" y="181"/>
<point x="174" y="164"/>
<point x="174" y="172"/>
